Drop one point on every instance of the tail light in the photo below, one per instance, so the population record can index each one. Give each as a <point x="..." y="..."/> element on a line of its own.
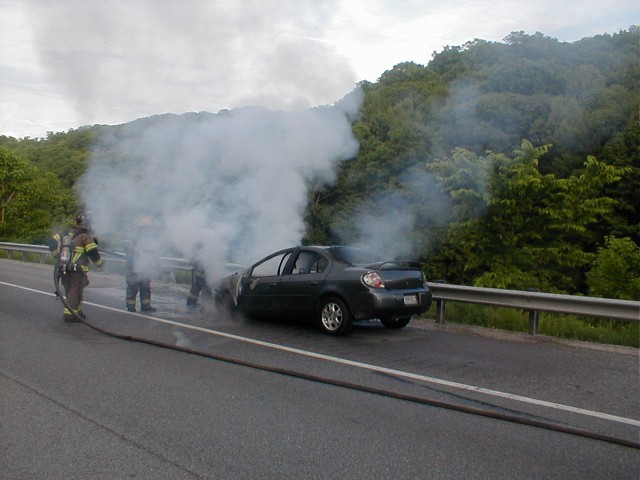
<point x="373" y="280"/>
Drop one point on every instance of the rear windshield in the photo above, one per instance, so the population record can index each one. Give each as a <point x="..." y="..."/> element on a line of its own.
<point x="356" y="257"/>
<point x="359" y="257"/>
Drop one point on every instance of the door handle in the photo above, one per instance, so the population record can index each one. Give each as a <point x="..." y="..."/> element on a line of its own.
<point x="313" y="284"/>
<point x="273" y="284"/>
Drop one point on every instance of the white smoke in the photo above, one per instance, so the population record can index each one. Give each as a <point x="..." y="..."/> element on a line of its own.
<point x="230" y="187"/>
<point x="400" y="222"/>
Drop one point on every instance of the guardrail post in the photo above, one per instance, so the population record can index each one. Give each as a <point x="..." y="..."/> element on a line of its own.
<point x="533" y="322"/>
<point x="440" y="306"/>
<point x="440" y="311"/>
<point x="533" y="316"/>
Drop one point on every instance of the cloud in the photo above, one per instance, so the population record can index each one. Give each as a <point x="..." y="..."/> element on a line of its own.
<point x="378" y="34"/>
<point x="89" y="62"/>
<point x="122" y="60"/>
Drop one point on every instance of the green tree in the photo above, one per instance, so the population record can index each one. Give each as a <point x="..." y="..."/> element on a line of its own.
<point x="623" y="151"/>
<point x="65" y="154"/>
<point x="538" y="230"/>
<point x="30" y="200"/>
<point x="616" y="270"/>
<point x="464" y="176"/>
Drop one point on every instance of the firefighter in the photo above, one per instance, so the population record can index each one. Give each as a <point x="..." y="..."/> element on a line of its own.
<point x="140" y="267"/>
<point x="198" y="283"/>
<point x="74" y="263"/>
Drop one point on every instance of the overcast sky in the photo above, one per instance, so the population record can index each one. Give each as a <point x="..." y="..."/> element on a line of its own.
<point x="69" y="63"/>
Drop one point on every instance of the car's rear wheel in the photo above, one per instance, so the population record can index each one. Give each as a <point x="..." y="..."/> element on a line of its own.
<point x="334" y="318"/>
<point x="395" y="323"/>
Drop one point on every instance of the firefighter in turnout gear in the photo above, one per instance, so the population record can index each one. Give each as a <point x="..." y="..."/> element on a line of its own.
<point x="140" y="267"/>
<point x="198" y="283"/>
<point x="73" y="249"/>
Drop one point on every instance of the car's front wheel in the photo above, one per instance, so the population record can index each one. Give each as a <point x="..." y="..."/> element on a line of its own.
<point x="395" y="323"/>
<point x="225" y="303"/>
<point x="334" y="318"/>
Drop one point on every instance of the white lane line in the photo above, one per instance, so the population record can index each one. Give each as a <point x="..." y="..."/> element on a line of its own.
<point x="366" y="366"/>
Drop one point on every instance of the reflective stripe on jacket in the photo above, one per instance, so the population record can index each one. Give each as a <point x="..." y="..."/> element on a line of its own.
<point x="84" y="249"/>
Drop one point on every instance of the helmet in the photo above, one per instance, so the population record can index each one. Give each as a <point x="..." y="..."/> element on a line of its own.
<point x="145" y="222"/>
<point x="83" y="220"/>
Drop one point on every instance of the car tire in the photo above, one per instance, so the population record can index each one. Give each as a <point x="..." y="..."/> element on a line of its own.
<point x="334" y="317"/>
<point x="395" y="323"/>
<point x="225" y="303"/>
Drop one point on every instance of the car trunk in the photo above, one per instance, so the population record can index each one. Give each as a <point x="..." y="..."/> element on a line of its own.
<point x="401" y="279"/>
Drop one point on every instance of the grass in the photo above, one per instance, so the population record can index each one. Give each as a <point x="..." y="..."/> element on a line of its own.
<point x="572" y="327"/>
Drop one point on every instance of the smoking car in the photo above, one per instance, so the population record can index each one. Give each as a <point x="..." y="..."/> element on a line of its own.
<point x="336" y="285"/>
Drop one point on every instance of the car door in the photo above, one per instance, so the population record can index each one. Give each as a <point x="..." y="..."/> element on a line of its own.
<point x="302" y="282"/>
<point x="261" y="285"/>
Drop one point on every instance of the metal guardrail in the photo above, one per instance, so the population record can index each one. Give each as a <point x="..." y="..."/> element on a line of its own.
<point x="170" y="263"/>
<point x="116" y="257"/>
<point x="533" y="302"/>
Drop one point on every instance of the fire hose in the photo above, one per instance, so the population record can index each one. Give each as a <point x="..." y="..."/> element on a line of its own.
<point x="548" y="425"/>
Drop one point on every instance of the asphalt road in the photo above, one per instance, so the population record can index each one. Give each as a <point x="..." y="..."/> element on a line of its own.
<point x="77" y="403"/>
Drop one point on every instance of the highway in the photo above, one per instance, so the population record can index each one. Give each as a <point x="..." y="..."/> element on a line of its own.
<point x="252" y="399"/>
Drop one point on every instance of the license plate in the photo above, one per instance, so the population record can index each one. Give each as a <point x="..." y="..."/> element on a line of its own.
<point x="410" y="300"/>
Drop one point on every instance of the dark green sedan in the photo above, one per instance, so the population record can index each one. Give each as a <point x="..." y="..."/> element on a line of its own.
<point x="335" y="285"/>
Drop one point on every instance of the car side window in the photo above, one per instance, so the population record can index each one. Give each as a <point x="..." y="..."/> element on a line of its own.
<point x="319" y="264"/>
<point x="309" y="262"/>
<point x="271" y="266"/>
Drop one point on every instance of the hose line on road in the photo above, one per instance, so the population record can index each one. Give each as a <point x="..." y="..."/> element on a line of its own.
<point x="382" y="392"/>
<point x="557" y="427"/>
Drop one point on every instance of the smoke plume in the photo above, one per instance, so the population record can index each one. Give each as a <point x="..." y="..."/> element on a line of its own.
<point x="229" y="187"/>
<point x="399" y="223"/>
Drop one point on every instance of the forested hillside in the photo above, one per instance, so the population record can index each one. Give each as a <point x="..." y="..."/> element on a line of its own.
<point x="512" y="164"/>
<point x="535" y="146"/>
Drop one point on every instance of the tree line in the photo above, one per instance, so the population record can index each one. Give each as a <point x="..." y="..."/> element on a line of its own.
<point x="529" y="148"/>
